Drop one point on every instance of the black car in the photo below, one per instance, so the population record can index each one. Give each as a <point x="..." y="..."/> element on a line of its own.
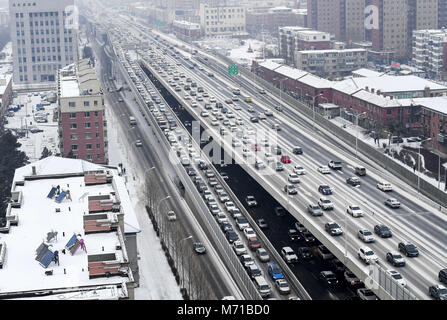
<point x="329" y="278"/>
<point x="409" y="249"/>
<point x="382" y="231"/>
<point x="279" y="211"/>
<point x="308" y="237"/>
<point x="203" y="166"/>
<point x="304" y="253"/>
<point x="443" y="276"/>
<point x="190" y="171"/>
<point x="254" y="119"/>
<point x="231" y="236"/>
<point x="337" y="266"/>
<point x="226" y="226"/>
<point x="297" y="150"/>
<point x="293" y="235"/>
<point x="262" y="224"/>
<point x="438" y="292"/>
<point x="325" y="189"/>
<point x="199" y="248"/>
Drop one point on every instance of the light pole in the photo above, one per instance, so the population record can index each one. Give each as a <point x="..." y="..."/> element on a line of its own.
<point x="357" y="116"/>
<point x="313" y="106"/>
<point x="280" y="90"/>
<point x="183" y="268"/>
<point x="419" y="162"/>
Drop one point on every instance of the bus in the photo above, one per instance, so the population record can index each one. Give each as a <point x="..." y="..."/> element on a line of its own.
<point x="133" y="121"/>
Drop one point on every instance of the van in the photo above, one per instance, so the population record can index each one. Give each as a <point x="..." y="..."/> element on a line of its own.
<point x="359" y="170"/>
<point x="262" y="286"/>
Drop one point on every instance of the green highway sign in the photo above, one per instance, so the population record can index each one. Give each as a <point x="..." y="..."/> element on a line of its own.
<point x="233" y="70"/>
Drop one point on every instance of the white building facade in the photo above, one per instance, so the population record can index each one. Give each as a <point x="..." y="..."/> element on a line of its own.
<point x="44" y="38"/>
<point x="222" y="20"/>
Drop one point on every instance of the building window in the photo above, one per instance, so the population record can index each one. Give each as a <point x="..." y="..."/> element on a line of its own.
<point x="98" y="146"/>
<point x="88" y="146"/>
<point x="86" y="103"/>
<point x="73" y="115"/>
<point x="87" y="125"/>
<point x="89" y="157"/>
<point x="95" y="103"/>
<point x="96" y="113"/>
<point x="87" y="114"/>
<point x="96" y="124"/>
<point x="88" y="135"/>
<point x="72" y="104"/>
<point x="74" y="147"/>
<point x="73" y="126"/>
<point x="74" y="137"/>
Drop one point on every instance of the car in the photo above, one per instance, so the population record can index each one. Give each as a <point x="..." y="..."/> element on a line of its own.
<point x="297" y="150"/>
<point x="392" y="203"/>
<point x="224" y="197"/>
<point x="308" y="237"/>
<point x="259" y="164"/>
<point x="283" y="286"/>
<point x="355" y="211"/>
<point x="171" y="215"/>
<point x="275" y="271"/>
<point x="290" y="189"/>
<point x="262" y="255"/>
<point x="382" y="231"/>
<point x="366" y="236"/>
<point x="254" y="243"/>
<point x="242" y="223"/>
<point x="438" y="292"/>
<point x="335" y="165"/>
<point x="323" y="169"/>
<point x="235" y="213"/>
<point x="231" y="236"/>
<point x="304" y="253"/>
<point x="254" y="271"/>
<point x="384" y="186"/>
<point x="221" y="217"/>
<point x="407" y="248"/>
<point x="204" y="114"/>
<point x="254" y="119"/>
<point x="276" y="150"/>
<point x="333" y="229"/>
<point x="325" y="204"/>
<point x="300" y="227"/>
<point x="299" y="170"/>
<point x="367" y="255"/>
<point x="279" y="166"/>
<point x="395" y="258"/>
<point x="251" y="201"/>
<point x="293" y="235"/>
<point x="285" y="159"/>
<point x="314" y="210"/>
<point x="324" y="253"/>
<point x="262" y="223"/>
<point x="226" y="226"/>
<point x="325" y="189"/>
<point x="366" y="294"/>
<point x="229" y="205"/>
<point x="329" y="278"/>
<point x="199" y="248"/>
<point x="268" y="113"/>
<point x="289" y="255"/>
<point x="351" y="278"/>
<point x="262" y="91"/>
<point x="249" y="232"/>
<point x="293" y="178"/>
<point x="353" y="181"/>
<point x="138" y="143"/>
<point x="396" y="276"/>
<point x="279" y="211"/>
<point x="239" y="248"/>
<point x="246" y="260"/>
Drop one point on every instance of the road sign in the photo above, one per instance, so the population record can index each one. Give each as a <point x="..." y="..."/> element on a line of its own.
<point x="233" y="70"/>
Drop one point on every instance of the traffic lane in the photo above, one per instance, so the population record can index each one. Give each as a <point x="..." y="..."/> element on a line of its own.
<point x="146" y="154"/>
<point x="307" y="272"/>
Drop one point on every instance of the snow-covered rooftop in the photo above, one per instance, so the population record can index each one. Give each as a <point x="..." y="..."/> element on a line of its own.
<point x="269" y="64"/>
<point x="363" y="72"/>
<point x="290" y="72"/>
<point x="315" y="81"/>
<point x="39" y="215"/>
<point x="78" y="79"/>
<point x="395" y="84"/>
<point x="437" y="104"/>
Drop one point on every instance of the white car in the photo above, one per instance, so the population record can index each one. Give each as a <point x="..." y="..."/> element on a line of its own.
<point x="269" y="157"/>
<point x="204" y="114"/>
<point x="249" y="233"/>
<point x="187" y="97"/>
<point x="259" y="164"/>
<point x="355" y="211"/>
<point x="324" y="169"/>
<point x="236" y="143"/>
<point x="247" y="260"/>
<point x="264" y="142"/>
<point x="299" y="170"/>
<point x="212" y="99"/>
<point x="367" y="255"/>
<point x="289" y="255"/>
<point x="325" y="204"/>
<point x="214" y="122"/>
<point x="239" y="248"/>
<point x="239" y="122"/>
<point x="366" y="236"/>
<point x="384" y="186"/>
<point x="293" y="178"/>
<point x="229" y="205"/>
<point x="246" y="153"/>
<point x="194" y="104"/>
<point x="396" y="277"/>
<point x="392" y="203"/>
<point x="237" y="107"/>
<point x="221" y="218"/>
<point x="171" y="216"/>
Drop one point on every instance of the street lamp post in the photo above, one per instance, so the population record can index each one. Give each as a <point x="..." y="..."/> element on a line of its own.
<point x="419" y="162"/>
<point x="313" y="106"/>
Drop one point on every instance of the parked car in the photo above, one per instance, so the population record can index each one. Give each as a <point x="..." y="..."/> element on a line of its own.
<point x="246" y="260"/>
<point x="254" y="243"/>
<point x="231" y="236"/>
<point x="242" y="223"/>
<point x="253" y="271"/>
<point x="239" y="248"/>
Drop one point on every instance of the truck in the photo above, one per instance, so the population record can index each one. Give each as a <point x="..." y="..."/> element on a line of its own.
<point x="133" y="121"/>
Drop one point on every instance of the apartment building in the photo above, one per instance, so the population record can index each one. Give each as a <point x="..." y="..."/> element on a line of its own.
<point x="442" y="13"/>
<point x="430" y="52"/>
<point x="222" y="20"/>
<point x="82" y="124"/>
<point x="270" y="19"/>
<point x="81" y="242"/>
<point x="331" y="63"/>
<point x="44" y="39"/>
<point x="292" y="39"/>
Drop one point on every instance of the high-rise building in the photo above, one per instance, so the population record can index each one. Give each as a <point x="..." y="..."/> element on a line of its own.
<point x="44" y="38"/>
<point x="442" y="13"/>
<point x="82" y="125"/>
<point x="222" y="20"/>
<point x="430" y="52"/>
<point x="397" y="21"/>
<point x="342" y="18"/>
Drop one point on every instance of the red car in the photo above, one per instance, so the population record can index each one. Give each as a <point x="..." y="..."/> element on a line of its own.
<point x="257" y="147"/>
<point x="285" y="159"/>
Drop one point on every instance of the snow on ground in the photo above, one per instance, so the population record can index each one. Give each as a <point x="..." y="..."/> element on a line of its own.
<point x="156" y="279"/>
<point x="357" y="130"/>
<point x="22" y="119"/>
